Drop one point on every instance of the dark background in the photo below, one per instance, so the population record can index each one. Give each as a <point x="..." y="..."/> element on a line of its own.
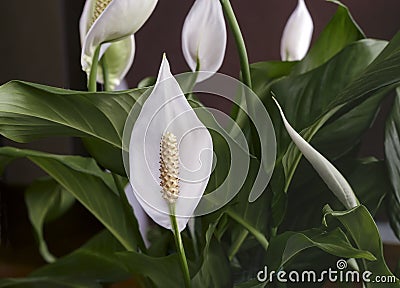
<point x="40" y="43"/>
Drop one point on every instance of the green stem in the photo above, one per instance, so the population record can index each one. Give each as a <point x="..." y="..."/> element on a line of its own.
<point x="257" y="234"/>
<point x="240" y="44"/>
<point x="106" y="78"/>
<point x="129" y="213"/>
<point x="92" y="82"/>
<point x="238" y="243"/>
<point x="179" y="246"/>
<point x="244" y="67"/>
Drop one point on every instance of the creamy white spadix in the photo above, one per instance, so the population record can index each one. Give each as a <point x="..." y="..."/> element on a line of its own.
<point x="170" y="153"/>
<point x="111" y="24"/>
<point x="204" y="37"/>
<point x="331" y="176"/>
<point x="296" y="37"/>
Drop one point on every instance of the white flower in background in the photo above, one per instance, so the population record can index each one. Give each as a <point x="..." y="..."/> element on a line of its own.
<point x="331" y="176"/>
<point x="297" y="34"/>
<point x="112" y="23"/>
<point x="170" y="153"/>
<point x="204" y="37"/>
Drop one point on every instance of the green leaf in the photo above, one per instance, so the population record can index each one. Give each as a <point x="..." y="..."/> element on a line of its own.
<point x="307" y="101"/>
<point x="103" y="261"/>
<point x="392" y="153"/>
<point x="369" y="190"/>
<point x="340" y="32"/>
<point x="285" y="247"/>
<point x="383" y="73"/>
<point x="162" y="271"/>
<point x="308" y="97"/>
<point x="89" y="266"/>
<point x="46" y="200"/>
<point x="94" y="261"/>
<point x="342" y="134"/>
<point x="30" y="111"/>
<point x="215" y="268"/>
<point x="90" y="185"/>
<point x="40" y="282"/>
<point x="363" y="232"/>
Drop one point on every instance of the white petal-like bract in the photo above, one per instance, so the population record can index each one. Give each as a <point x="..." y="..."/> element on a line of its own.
<point x="296" y="37"/>
<point x="204" y="37"/>
<point x="105" y="21"/>
<point x="166" y="110"/>
<point x="331" y="176"/>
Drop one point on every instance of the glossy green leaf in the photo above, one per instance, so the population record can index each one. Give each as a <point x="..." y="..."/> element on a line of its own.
<point x="46" y="200"/>
<point x="40" y="282"/>
<point x="342" y="134"/>
<point x="392" y="152"/>
<point x="286" y="246"/>
<point x="362" y="229"/>
<point x="90" y="185"/>
<point x="94" y="261"/>
<point x="370" y="191"/>
<point x="215" y="268"/>
<point x="30" y="111"/>
<point x="162" y="271"/>
<point x="89" y="266"/>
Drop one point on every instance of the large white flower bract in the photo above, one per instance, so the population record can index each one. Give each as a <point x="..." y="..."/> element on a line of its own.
<point x="204" y="37"/>
<point x="170" y="153"/>
<point x="296" y="37"/>
<point x="112" y="23"/>
<point x="331" y="176"/>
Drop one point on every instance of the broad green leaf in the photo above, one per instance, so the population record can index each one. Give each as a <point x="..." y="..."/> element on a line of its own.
<point x="286" y="246"/>
<point x="340" y="32"/>
<point x="89" y="266"/>
<point x="46" y="200"/>
<point x="30" y="111"/>
<point x="362" y="229"/>
<point x="40" y="282"/>
<point x="162" y="271"/>
<point x="90" y="185"/>
<point x="307" y="101"/>
<point x="342" y="134"/>
<point x="103" y="261"/>
<point x="369" y="190"/>
<point x="393" y="212"/>
<point x="392" y="153"/>
<point x="215" y="267"/>
<point x="307" y="97"/>
<point x="264" y="73"/>
<point x="383" y="73"/>
<point x="94" y="261"/>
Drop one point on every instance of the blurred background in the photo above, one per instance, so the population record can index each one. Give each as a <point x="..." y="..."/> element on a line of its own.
<point x="40" y="43"/>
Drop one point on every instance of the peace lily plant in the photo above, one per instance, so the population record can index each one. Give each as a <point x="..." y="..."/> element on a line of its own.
<point x="157" y="156"/>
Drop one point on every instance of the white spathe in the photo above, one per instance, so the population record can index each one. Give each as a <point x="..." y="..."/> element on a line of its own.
<point x="113" y="28"/>
<point x="296" y="37"/>
<point x="167" y="110"/>
<point x="204" y="37"/>
<point x="331" y="176"/>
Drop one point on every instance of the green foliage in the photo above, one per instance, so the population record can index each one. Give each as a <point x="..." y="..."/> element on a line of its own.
<point x="46" y="200"/>
<point x="331" y="98"/>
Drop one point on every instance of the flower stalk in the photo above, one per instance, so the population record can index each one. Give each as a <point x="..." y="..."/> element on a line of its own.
<point x="179" y="246"/>
<point x="92" y="82"/>
<point x="240" y="44"/>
